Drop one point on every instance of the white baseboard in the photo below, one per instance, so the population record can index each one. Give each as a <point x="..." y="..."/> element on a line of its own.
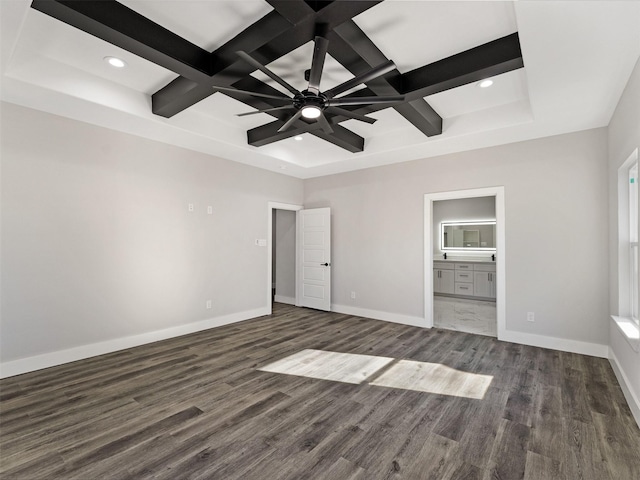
<point x="554" y="343"/>
<point x="38" y="362"/>
<point x="379" y="315"/>
<point x="283" y="299"/>
<point x="629" y="394"/>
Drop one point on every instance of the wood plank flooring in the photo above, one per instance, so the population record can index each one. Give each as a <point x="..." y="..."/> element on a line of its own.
<point x="197" y="407"/>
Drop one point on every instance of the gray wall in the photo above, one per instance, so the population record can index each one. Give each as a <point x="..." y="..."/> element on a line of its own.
<point x="97" y="241"/>
<point x="461" y="210"/>
<point x="556" y="206"/>
<point x="624" y="137"/>
<point x="285" y="248"/>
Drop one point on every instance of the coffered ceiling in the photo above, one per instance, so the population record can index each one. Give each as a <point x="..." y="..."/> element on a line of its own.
<point x="559" y="67"/>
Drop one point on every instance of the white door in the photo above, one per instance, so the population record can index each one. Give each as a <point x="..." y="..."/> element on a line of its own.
<point x="314" y="244"/>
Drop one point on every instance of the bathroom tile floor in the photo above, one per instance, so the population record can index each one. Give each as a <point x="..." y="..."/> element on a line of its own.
<point x="471" y="316"/>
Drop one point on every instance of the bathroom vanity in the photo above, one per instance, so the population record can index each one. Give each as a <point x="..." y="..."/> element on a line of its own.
<point x="465" y="278"/>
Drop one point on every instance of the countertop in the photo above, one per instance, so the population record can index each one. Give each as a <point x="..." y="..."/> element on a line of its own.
<point x="464" y="260"/>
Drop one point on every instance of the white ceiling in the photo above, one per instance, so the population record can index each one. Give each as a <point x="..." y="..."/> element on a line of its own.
<point x="578" y="56"/>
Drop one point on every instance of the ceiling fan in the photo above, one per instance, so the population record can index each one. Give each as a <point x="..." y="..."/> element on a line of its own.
<point x="312" y="103"/>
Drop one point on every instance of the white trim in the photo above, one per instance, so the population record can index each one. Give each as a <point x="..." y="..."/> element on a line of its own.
<point x="632" y="400"/>
<point x="271" y="206"/>
<point x="284" y="299"/>
<point x="379" y="315"/>
<point x="626" y="326"/>
<point x="46" y="360"/>
<point x="555" y="343"/>
<point x="429" y="198"/>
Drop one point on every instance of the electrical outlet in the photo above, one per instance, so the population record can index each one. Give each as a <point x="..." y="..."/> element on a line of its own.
<point x="190" y="207"/>
<point x="353" y="294"/>
<point x="208" y="304"/>
<point x="531" y="317"/>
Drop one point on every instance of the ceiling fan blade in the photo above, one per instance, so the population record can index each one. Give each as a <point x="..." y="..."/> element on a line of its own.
<point x="324" y="125"/>
<point x="375" y="72"/>
<point x="350" y="114"/>
<point x="255" y="94"/>
<point x="253" y="62"/>
<point x="290" y="122"/>
<point x="364" y="100"/>
<point x="265" y="110"/>
<point x="317" y="63"/>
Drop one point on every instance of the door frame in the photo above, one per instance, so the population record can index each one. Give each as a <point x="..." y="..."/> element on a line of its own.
<point x="429" y="198"/>
<point x="271" y="206"/>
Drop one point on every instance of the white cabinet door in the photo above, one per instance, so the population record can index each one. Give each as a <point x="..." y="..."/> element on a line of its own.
<point x="315" y="253"/>
<point x="484" y="284"/>
<point x="447" y="280"/>
<point x="443" y="281"/>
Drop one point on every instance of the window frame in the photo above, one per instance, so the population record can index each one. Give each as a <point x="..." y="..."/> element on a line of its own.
<point x="627" y="241"/>
<point x="632" y="195"/>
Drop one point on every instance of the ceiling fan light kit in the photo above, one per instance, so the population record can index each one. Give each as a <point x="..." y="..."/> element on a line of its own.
<point x="288" y="26"/>
<point x="311" y="112"/>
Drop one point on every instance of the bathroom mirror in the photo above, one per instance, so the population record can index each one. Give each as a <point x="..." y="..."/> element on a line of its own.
<point x="468" y="236"/>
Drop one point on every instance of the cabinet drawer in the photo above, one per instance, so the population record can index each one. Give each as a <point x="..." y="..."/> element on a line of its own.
<point x="485" y="267"/>
<point x="464" y="288"/>
<point x="462" y="276"/>
<point x="443" y="266"/>
<point x="464" y="266"/>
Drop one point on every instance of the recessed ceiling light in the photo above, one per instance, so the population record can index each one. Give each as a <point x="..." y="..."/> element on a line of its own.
<point x="485" y="83"/>
<point x="311" y="112"/>
<point x="115" y="62"/>
<point x="297" y="137"/>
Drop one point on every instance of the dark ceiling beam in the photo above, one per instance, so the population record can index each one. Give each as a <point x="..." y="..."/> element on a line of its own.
<point x="119" y="25"/>
<point x="268" y="133"/>
<point x="488" y="60"/>
<point x="182" y="92"/>
<point x="422" y="116"/>
<point x="301" y="19"/>
<point x="342" y="137"/>
<point x="350" y="46"/>
<point x="293" y="11"/>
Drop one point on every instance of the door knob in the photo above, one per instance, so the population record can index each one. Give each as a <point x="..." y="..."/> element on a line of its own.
<point x="325" y="264"/>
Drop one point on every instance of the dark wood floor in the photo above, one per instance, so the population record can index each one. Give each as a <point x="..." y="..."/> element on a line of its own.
<point x="197" y="407"/>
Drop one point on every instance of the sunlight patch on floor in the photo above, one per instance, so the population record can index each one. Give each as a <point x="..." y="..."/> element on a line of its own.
<point x="382" y="372"/>
<point x="434" y="378"/>
<point x="339" y="367"/>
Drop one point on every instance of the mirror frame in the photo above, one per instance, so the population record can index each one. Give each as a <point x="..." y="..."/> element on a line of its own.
<point x="465" y="249"/>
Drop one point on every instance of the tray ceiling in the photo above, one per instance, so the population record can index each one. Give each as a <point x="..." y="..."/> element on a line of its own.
<point x="577" y="59"/>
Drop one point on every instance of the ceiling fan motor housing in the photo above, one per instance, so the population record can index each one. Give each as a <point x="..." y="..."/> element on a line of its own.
<point x="308" y="99"/>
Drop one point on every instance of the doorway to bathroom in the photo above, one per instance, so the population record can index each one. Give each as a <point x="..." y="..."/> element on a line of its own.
<point x="464" y="261"/>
